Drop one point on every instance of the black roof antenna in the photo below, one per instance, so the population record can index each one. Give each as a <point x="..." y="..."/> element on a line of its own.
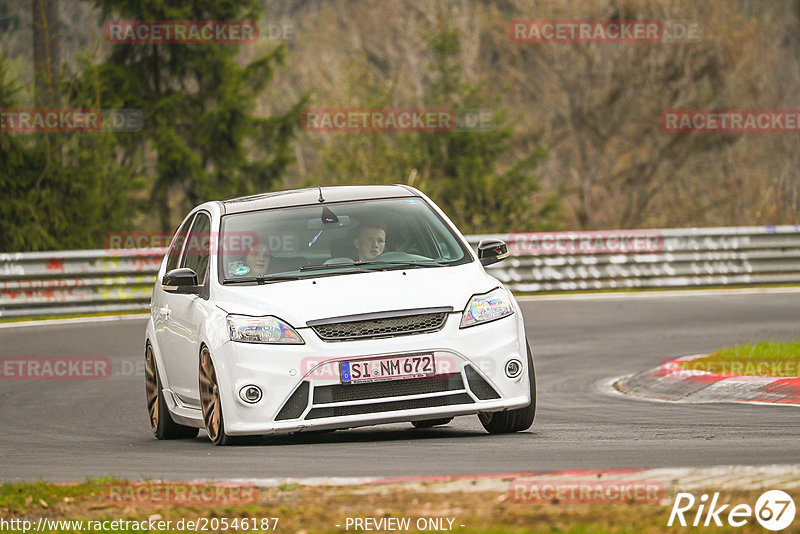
<point x="320" y="194"/>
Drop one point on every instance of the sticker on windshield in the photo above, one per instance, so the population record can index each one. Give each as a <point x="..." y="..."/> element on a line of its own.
<point x="242" y="269"/>
<point x="413" y="201"/>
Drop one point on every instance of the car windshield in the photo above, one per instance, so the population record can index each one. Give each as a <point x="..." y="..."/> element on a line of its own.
<point x="335" y="238"/>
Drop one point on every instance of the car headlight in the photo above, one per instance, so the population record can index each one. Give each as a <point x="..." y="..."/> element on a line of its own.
<point x="487" y="307"/>
<point x="262" y="330"/>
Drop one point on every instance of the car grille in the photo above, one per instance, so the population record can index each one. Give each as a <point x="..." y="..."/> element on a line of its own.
<point x="375" y="326"/>
<point x="296" y="404"/>
<point x="357" y="409"/>
<point x="441" y="390"/>
<point x="479" y="386"/>
<point x="390" y="388"/>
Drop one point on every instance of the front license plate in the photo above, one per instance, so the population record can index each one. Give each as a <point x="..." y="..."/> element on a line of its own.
<point x="393" y="368"/>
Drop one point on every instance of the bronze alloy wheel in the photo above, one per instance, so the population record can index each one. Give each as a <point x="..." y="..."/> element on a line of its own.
<point x="161" y="422"/>
<point x="151" y="386"/>
<point x="209" y="399"/>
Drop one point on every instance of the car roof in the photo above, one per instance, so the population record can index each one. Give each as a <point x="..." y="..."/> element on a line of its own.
<point x="310" y="196"/>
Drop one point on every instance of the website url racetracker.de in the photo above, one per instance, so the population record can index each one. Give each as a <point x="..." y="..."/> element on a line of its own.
<point x="152" y="524"/>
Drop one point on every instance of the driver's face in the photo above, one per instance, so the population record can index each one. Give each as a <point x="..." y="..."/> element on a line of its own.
<point x="257" y="259"/>
<point x="370" y="243"/>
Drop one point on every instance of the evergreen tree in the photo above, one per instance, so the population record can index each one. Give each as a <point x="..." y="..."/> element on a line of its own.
<point x="21" y="224"/>
<point x="60" y="190"/>
<point x="201" y="136"/>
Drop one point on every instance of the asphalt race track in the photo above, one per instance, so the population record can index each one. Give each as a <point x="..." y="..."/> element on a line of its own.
<point x="68" y="430"/>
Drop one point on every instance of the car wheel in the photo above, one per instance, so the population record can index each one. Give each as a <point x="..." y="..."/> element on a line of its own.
<point x="513" y="420"/>
<point x="210" y="401"/>
<point x="427" y="423"/>
<point x="160" y="419"/>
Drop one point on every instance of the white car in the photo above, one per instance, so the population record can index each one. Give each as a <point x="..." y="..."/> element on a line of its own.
<point x="331" y="308"/>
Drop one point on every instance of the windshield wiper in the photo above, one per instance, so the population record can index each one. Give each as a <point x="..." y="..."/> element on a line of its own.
<point x="329" y="265"/>
<point x="269" y="278"/>
<point x="373" y="262"/>
<point x="263" y="279"/>
<point x="410" y="263"/>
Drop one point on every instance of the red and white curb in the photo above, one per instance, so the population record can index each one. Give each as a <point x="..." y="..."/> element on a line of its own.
<point x="672" y="382"/>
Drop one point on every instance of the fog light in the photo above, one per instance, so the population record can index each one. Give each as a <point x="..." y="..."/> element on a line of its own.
<point x="513" y="368"/>
<point x="250" y="394"/>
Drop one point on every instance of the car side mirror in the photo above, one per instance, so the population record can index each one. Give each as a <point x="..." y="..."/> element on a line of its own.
<point x="183" y="280"/>
<point x="491" y="251"/>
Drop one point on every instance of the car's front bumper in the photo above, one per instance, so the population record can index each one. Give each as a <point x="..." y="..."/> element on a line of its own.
<point x="302" y="389"/>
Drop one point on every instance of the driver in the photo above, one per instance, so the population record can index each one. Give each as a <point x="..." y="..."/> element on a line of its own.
<point x="370" y="240"/>
<point x="257" y="259"/>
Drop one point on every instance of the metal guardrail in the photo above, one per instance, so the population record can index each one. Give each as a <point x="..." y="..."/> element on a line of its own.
<point x="644" y="259"/>
<point x="88" y="281"/>
<point x="77" y="281"/>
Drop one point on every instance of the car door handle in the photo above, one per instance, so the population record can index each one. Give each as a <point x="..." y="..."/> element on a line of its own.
<point x="164" y="312"/>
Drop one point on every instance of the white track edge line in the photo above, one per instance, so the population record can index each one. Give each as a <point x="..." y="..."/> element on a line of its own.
<point x="610" y="295"/>
<point x="76" y="320"/>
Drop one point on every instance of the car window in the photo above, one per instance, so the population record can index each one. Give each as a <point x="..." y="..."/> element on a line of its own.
<point x="177" y="244"/>
<point x="302" y="240"/>
<point x="196" y="252"/>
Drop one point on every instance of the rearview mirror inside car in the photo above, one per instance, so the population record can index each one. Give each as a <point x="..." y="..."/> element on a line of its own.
<point x="317" y="224"/>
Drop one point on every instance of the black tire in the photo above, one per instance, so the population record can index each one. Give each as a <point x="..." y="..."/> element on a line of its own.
<point x="513" y="420"/>
<point x="211" y="402"/>
<point x="161" y="422"/>
<point x="428" y="423"/>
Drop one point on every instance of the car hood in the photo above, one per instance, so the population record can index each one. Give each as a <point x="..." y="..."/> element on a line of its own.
<point x="300" y="301"/>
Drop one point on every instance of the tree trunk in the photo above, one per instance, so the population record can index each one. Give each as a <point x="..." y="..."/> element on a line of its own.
<point x="46" y="52"/>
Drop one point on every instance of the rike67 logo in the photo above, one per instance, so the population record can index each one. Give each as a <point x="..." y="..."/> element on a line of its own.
<point x="774" y="510"/>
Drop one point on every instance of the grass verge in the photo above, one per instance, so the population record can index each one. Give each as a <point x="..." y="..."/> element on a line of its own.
<point x="312" y="509"/>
